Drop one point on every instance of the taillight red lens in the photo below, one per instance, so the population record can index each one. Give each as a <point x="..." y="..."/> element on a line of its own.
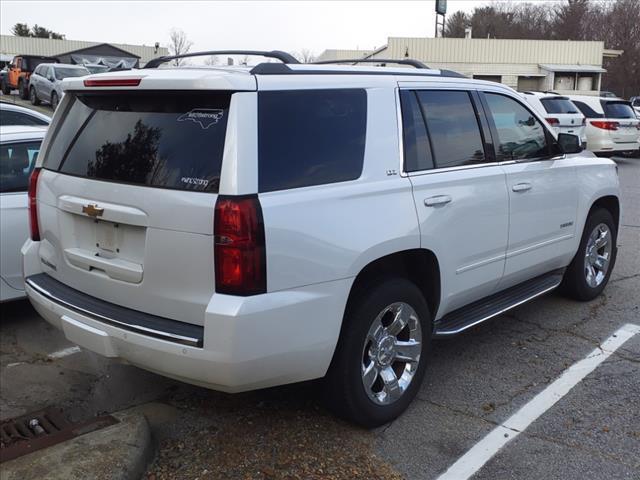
<point x="34" y="227"/>
<point x="553" y="121"/>
<point x="113" y="82"/>
<point x="239" y="251"/>
<point x="605" y="124"/>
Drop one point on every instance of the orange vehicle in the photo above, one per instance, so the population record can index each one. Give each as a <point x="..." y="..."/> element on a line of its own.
<point x="19" y="71"/>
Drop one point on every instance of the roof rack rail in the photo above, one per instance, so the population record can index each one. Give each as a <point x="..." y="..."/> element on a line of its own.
<point x="404" y="61"/>
<point x="284" y="57"/>
<point x="283" y="69"/>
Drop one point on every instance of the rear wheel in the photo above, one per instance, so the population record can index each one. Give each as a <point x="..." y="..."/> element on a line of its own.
<point x="589" y="272"/>
<point x="33" y="96"/>
<point x="54" y="100"/>
<point x="380" y="360"/>
<point x="22" y="90"/>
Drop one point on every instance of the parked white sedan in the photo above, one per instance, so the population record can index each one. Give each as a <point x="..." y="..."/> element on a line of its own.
<point x="19" y="146"/>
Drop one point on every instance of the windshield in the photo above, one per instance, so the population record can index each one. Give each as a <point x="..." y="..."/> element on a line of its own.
<point x="64" y="72"/>
<point x="618" y="110"/>
<point x="558" y="105"/>
<point x="96" y="68"/>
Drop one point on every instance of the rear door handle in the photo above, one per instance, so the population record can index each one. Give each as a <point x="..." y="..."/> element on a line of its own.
<point x="437" y="200"/>
<point x="521" y="187"/>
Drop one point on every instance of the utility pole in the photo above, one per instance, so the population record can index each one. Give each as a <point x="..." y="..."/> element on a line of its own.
<point x="441" y="11"/>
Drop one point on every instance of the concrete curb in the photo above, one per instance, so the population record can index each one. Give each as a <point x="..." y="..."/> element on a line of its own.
<point x="118" y="452"/>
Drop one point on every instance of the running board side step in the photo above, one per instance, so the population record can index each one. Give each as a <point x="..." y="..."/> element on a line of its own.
<point x="466" y="317"/>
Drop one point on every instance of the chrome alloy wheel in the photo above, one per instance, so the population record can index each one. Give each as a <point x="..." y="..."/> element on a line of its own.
<point x="598" y="255"/>
<point x="391" y="353"/>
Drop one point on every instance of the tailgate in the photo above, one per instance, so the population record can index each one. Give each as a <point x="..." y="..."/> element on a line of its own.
<point x="126" y="199"/>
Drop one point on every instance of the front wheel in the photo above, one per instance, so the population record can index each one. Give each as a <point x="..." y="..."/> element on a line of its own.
<point x="33" y="96"/>
<point x="5" y="88"/>
<point x="380" y="359"/>
<point x="590" y="269"/>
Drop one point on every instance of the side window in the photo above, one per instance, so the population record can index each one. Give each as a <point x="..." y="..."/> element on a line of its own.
<point x="452" y="126"/>
<point x="310" y="137"/>
<point x="16" y="162"/>
<point x="520" y="134"/>
<point x="586" y="110"/>
<point x="8" y="117"/>
<point x="417" y="151"/>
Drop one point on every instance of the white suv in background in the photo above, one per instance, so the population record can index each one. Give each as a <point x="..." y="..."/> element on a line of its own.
<point x="612" y="125"/>
<point x="559" y="112"/>
<point x="240" y="228"/>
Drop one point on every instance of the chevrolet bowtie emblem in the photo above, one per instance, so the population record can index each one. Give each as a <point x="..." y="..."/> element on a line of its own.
<point x="93" y="210"/>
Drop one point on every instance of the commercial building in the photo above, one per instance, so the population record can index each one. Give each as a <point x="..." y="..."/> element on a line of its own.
<point x="562" y="66"/>
<point x="76" y="51"/>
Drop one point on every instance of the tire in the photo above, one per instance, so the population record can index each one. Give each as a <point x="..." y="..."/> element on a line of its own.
<point x="5" y="88"/>
<point x="54" y="101"/>
<point x="345" y="392"/>
<point x="584" y="280"/>
<point x="22" y="90"/>
<point x="33" y="96"/>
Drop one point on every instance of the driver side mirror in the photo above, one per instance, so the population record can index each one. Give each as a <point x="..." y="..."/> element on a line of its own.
<point x="569" y="143"/>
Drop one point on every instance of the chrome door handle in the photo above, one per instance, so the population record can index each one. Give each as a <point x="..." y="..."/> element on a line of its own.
<point x="521" y="187"/>
<point x="437" y="200"/>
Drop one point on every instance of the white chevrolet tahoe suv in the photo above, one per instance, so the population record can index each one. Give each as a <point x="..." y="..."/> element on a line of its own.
<point x="240" y="228"/>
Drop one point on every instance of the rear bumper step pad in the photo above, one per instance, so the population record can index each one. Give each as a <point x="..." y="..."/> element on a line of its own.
<point x="115" y="315"/>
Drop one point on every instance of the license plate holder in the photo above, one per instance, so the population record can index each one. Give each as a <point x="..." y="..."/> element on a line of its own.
<point x="107" y="236"/>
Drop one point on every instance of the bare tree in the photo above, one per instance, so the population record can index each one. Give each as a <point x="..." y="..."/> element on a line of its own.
<point x="179" y="45"/>
<point x="305" y="55"/>
<point x="212" y="60"/>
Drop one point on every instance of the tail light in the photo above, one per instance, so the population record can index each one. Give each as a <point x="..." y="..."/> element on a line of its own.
<point x="34" y="227"/>
<point x="605" y="124"/>
<point x="112" y="82"/>
<point x="554" y="122"/>
<point x="239" y="246"/>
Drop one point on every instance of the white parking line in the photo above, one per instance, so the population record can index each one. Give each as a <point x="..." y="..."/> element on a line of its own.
<point x="483" y="451"/>
<point x="65" y="352"/>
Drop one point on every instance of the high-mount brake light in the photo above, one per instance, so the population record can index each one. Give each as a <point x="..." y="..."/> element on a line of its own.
<point x="605" y="124"/>
<point x="239" y="246"/>
<point x="34" y="227"/>
<point x="553" y="121"/>
<point x="112" y="82"/>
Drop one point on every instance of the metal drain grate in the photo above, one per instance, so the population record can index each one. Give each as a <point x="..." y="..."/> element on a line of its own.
<point x="42" y="429"/>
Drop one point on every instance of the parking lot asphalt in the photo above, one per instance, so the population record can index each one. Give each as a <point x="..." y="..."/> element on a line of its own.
<point x="474" y="383"/>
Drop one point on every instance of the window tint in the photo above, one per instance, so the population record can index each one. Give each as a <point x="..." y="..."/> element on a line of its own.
<point x="8" y="117"/>
<point x="417" y="151"/>
<point x="310" y="137"/>
<point x="558" y="105"/>
<point x="65" y="72"/>
<point x="586" y="110"/>
<point x="16" y="162"/>
<point x="453" y="127"/>
<point x="520" y="134"/>
<point x="158" y="140"/>
<point x="618" y="110"/>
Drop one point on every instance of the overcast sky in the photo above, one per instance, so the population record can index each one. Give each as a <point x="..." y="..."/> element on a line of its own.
<point x="261" y="25"/>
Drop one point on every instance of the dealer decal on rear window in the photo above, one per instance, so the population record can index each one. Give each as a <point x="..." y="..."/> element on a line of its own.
<point x="203" y="116"/>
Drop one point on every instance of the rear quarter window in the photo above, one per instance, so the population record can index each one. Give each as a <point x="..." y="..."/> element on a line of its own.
<point x="310" y="137"/>
<point x="165" y="140"/>
<point x="586" y="110"/>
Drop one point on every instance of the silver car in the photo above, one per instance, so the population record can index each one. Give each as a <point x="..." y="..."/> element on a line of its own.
<point x="44" y="84"/>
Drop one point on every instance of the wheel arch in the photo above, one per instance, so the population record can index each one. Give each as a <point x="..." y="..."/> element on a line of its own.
<point x="418" y="265"/>
<point x="611" y="203"/>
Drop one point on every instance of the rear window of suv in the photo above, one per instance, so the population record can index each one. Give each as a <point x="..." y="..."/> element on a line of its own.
<point x="166" y="140"/>
<point x="617" y="109"/>
<point x="558" y="105"/>
<point x="310" y="137"/>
